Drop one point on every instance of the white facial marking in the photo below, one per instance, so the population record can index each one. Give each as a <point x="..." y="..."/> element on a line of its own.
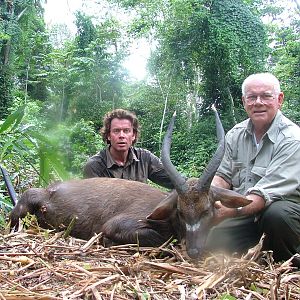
<point x="192" y="228"/>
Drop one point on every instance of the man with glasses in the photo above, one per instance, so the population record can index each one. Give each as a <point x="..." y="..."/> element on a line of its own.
<point x="261" y="161"/>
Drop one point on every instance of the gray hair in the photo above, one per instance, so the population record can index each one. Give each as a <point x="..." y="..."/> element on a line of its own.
<point x="264" y="76"/>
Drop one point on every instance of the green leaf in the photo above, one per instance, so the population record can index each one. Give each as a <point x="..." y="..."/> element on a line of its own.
<point x="227" y="297"/>
<point x="4" y="149"/>
<point x="13" y="120"/>
<point x="44" y="169"/>
<point x="49" y="158"/>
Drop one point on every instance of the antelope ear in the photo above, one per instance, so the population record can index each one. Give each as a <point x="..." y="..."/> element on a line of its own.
<point x="165" y="208"/>
<point x="228" y="198"/>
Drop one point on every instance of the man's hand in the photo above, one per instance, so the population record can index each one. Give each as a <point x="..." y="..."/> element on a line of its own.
<point x="222" y="212"/>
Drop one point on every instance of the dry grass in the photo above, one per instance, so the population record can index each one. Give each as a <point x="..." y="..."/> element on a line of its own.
<point x="46" y="266"/>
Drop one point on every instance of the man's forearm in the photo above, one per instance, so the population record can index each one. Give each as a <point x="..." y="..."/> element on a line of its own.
<point x="220" y="182"/>
<point x="256" y="206"/>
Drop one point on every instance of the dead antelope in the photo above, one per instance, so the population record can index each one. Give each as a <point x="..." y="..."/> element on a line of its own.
<point x="133" y="212"/>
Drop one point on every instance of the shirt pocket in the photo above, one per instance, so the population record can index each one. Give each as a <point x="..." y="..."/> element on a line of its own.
<point x="238" y="173"/>
<point x="258" y="173"/>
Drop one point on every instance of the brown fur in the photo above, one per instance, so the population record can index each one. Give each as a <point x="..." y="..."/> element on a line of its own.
<point x="126" y="211"/>
<point x="116" y="207"/>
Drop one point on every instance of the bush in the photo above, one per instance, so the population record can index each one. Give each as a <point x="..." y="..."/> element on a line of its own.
<point x="81" y="142"/>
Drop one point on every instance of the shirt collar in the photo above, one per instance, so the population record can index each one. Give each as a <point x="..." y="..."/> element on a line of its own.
<point x="131" y="157"/>
<point x="273" y="129"/>
<point x="110" y="161"/>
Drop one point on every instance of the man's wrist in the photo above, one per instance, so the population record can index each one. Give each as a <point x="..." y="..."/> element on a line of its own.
<point x="239" y="211"/>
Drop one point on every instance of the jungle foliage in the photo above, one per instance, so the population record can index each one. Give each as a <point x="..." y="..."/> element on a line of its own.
<point x="55" y="87"/>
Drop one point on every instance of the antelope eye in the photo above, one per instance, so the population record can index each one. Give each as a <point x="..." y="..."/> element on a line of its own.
<point x="181" y="215"/>
<point x="204" y="213"/>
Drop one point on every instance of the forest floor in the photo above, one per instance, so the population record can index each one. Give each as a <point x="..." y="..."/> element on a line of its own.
<point x="37" y="264"/>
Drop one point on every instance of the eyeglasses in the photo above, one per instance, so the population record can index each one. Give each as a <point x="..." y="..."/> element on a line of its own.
<point x="264" y="99"/>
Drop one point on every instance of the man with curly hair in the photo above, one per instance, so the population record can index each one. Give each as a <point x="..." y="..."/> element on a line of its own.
<point x="120" y="159"/>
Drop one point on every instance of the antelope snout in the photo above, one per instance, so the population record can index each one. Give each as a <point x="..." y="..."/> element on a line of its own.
<point x="194" y="253"/>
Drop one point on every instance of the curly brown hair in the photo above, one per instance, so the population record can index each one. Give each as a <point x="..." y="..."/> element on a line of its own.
<point x="119" y="114"/>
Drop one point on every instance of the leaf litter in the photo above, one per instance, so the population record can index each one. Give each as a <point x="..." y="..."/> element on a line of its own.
<point x="43" y="265"/>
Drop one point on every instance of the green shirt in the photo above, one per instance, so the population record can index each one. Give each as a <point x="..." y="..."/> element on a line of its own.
<point x="141" y="165"/>
<point x="270" y="169"/>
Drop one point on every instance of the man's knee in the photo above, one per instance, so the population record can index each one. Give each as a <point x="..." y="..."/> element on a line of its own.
<point x="233" y="235"/>
<point x="273" y="216"/>
<point x="280" y="215"/>
<point x="281" y="223"/>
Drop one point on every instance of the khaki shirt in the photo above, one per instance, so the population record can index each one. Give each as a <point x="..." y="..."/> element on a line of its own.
<point x="141" y="165"/>
<point x="272" y="169"/>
